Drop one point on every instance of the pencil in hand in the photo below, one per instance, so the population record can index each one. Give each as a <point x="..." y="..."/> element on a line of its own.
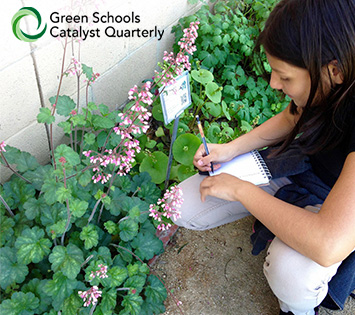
<point x="203" y="138"/>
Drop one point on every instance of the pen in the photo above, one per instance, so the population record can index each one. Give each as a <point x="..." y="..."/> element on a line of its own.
<point x="203" y="138"/>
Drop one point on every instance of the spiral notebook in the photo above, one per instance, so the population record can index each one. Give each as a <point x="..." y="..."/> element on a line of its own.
<point x="248" y="166"/>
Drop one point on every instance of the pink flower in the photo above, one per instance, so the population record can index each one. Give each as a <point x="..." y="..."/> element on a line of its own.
<point x="168" y="207"/>
<point x="101" y="273"/>
<point x="90" y="296"/>
<point x="175" y="66"/>
<point x="62" y="160"/>
<point x="2" y="146"/>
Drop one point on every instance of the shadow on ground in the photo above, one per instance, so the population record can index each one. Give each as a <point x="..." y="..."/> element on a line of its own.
<point x="214" y="273"/>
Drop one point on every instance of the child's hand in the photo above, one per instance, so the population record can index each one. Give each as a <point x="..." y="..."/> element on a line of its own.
<point x="218" y="153"/>
<point x="223" y="186"/>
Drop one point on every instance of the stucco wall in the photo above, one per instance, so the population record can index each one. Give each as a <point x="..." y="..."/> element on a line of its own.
<point x="29" y="72"/>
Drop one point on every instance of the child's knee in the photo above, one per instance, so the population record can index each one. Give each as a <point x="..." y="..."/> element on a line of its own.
<point x="293" y="277"/>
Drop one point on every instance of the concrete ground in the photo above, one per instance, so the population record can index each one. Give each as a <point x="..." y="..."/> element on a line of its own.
<point x="214" y="273"/>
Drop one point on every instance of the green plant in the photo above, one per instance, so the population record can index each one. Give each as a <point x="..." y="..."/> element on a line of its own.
<point x="77" y="231"/>
<point x="227" y="90"/>
<point x="224" y="47"/>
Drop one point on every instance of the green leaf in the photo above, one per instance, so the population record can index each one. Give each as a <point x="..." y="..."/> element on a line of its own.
<point x="111" y="227"/>
<point x="146" y="189"/>
<point x="78" y="120"/>
<point x="213" y="92"/>
<point x="34" y="207"/>
<point x="136" y="282"/>
<point x="160" y="132"/>
<point x="78" y="207"/>
<point x="89" y="138"/>
<point x="87" y="71"/>
<point x="202" y="76"/>
<point x="35" y="286"/>
<point x="70" y="155"/>
<point x="12" y="270"/>
<point x="156" y="165"/>
<point x="226" y="110"/>
<point x="184" y="172"/>
<point x="132" y="304"/>
<point x="59" y="288"/>
<point x="116" y="276"/>
<point x="147" y="245"/>
<point x="19" y="190"/>
<point x="128" y="229"/>
<point x="63" y="194"/>
<point x="108" y="301"/>
<point x="116" y="202"/>
<point x="104" y="110"/>
<point x="65" y="105"/>
<point x="26" y="162"/>
<point x="185" y="147"/>
<point x="37" y="176"/>
<point x="32" y="246"/>
<point x="20" y="304"/>
<point x="72" y="304"/>
<point x="67" y="259"/>
<point x="53" y="214"/>
<point x="49" y="188"/>
<point x="246" y="127"/>
<point x="155" y="292"/>
<point x="66" y="126"/>
<point x="158" y="112"/>
<point x="100" y="122"/>
<point x="208" y="59"/>
<point x="85" y="178"/>
<point x="90" y="236"/>
<point x="6" y="229"/>
<point x="214" y="109"/>
<point x="45" y="116"/>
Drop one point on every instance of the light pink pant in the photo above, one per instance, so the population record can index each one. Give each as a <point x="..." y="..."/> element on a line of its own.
<point x="299" y="283"/>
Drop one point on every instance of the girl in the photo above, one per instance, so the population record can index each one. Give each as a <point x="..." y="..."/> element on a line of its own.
<point x="310" y="203"/>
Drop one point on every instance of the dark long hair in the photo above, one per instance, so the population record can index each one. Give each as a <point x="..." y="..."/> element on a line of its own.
<point x="310" y="34"/>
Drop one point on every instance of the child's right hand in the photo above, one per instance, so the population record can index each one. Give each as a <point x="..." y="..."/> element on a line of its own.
<point x="218" y="153"/>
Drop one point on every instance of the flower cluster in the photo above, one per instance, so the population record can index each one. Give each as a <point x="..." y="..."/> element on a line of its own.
<point x="168" y="207"/>
<point x="134" y="121"/>
<point x="90" y="296"/>
<point x="101" y="273"/>
<point x="92" y="79"/>
<point x="75" y="67"/>
<point x="175" y="66"/>
<point x="2" y="146"/>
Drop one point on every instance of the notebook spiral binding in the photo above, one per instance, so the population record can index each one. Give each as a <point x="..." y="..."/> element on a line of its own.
<point x="261" y="163"/>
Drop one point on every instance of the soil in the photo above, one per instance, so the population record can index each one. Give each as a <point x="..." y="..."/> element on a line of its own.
<point x="214" y="273"/>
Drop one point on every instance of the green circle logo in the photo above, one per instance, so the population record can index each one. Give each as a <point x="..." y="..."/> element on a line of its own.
<point x="15" y="22"/>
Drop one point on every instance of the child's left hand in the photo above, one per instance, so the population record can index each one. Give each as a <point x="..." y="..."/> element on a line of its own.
<point x="222" y="186"/>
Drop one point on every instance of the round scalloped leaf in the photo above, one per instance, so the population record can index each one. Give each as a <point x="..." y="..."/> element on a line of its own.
<point x="213" y="92"/>
<point x="67" y="259"/>
<point x="12" y="270"/>
<point x="158" y="112"/>
<point x="185" y="147"/>
<point x="156" y="165"/>
<point x="185" y="172"/>
<point x="32" y="246"/>
<point x="202" y="76"/>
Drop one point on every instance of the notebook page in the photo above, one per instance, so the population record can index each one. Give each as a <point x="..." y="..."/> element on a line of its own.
<point x="245" y="167"/>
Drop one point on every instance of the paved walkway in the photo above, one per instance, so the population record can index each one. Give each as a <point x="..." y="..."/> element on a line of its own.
<point x="214" y="273"/>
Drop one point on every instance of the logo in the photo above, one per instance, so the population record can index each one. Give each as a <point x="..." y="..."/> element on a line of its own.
<point x="15" y="22"/>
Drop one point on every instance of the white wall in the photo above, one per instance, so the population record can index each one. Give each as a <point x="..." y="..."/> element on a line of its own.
<point x="30" y="72"/>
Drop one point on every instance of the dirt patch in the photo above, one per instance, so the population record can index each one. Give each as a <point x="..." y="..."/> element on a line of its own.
<point x="214" y="273"/>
